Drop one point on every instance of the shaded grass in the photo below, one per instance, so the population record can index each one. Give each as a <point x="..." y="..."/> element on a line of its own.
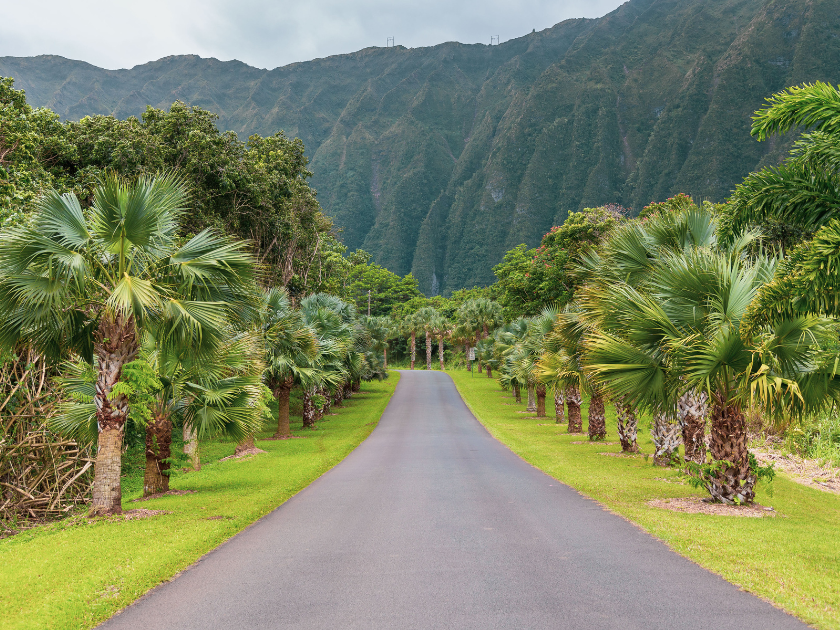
<point x="792" y="560"/>
<point x="76" y="573"/>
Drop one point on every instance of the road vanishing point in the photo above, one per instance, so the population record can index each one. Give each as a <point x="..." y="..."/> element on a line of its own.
<point x="431" y="523"/>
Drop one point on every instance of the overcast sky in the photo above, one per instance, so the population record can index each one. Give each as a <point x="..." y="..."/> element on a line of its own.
<point x="264" y="33"/>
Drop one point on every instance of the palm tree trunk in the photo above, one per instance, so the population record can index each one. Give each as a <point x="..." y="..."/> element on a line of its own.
<point x="517" y="392"/>
<point x="440" y="353"/>
<point x="627" y="427"/>
<point x="283" y="393"/>
<point x="559" y="408"/>
<point x="692" y="408"/>
<point x="327" y="402"/>
<point x="597" y="418"/>
<point x="357" y="385"/>
<point x="540" y="400"/>
<point x="489" y="371"/>
<point x="385" y="357"/>
<point x="574" y="400"/>
<point x="158" y="448"/>
<point x="413" y="349"/>
<point x="428" y="351"/>
<point x="467" y="356"/>
<point x="115" y="344"/>
<point x="245" y="445"/>
<point x="733" y="483"/>
<point x="191" y="447"/>
<point x="532" y="403"/>
<point x="309" y="410"/>
<point x="666" y="438"/>
<point x="107" y="493"/>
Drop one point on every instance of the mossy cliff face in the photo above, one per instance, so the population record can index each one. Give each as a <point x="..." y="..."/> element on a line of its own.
<point x="437" y="160"/>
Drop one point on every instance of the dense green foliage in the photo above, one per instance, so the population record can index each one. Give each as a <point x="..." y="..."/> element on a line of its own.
<point x="438" y="160"/>
<point x="255" y="190"/>
<point x="531" y="280"/>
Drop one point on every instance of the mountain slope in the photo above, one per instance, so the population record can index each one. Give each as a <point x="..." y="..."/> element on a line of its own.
<point x="437" y="160"/>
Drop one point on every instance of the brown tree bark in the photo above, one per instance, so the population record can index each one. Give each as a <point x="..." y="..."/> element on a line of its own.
<point x="428" y="351"/>
<point x="480" y="368"/>
<point x="357" y="385"/>
<point x="440" y="353"/>
<point x="115" y="344"/>
<point x="540" y="390"/>
<point x="413" y="349"/>
<point x="245" y="445"/>
<point x="467" y="356"/>
<point x="309" y="410"/>
<point x="666" y="438"/>
<point x="517" y="392"/>
<point x="489" y="371"/>
<point x="327" y="402"/>
<point x="692" y="408"/>
<point x="283" y="392"/>
<point x="385" y="357"/>
<point x="191" y="447"/>
<point x="573" y="400"/>
<point x="532" y="401"/>
<point x="627" y="427"/>
<point x="597" y="418"/>
<point x="559" y="406"/>
<point x="733" y="482"/>
<point x="107" y="493"/>
<point x="158" y="448"/>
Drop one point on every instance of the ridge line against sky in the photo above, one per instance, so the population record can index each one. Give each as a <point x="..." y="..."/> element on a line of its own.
<point x="115" y="34"/>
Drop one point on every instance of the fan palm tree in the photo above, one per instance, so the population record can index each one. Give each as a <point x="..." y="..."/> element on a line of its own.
<point x="427" y="319"/>
<point x="684" y="334"/>
<point x="89" y="282"/>
<point x="222" y="382"/>
<point x="410" y="326"/>
<point x="290" y="348"/>
<point x="338" y="363"/>
<point x="561" y="367"/>
<point x="442" y="329"/>
<point x="379" y="330"/>
<point x="464" y="331"/>
<point x="628" y="256"/>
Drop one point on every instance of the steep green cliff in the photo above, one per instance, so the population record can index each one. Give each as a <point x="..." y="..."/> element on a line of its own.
<point x="437" y="160"/>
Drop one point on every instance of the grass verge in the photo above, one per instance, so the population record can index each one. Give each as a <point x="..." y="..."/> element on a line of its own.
<point x="76" y="573"/>
<point x="792" y="560"/>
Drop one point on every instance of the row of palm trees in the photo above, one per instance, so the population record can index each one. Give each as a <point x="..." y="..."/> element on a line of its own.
<point x="656" y="329"/>
<point x="154" y="327"/>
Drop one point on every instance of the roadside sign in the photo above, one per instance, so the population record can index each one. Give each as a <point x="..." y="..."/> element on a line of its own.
<point x="471" y="356"/>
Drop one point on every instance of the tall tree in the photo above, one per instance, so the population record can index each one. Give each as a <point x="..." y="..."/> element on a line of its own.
<point x="684" y="334"/>
<point x="88" y="282"/>
<point x="290" y="348"/>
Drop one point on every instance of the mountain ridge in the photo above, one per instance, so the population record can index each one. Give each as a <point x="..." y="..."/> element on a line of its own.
<point x="439" y="159"/>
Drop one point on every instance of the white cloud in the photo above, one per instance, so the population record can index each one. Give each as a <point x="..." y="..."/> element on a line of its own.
<point x="264" y="33"/>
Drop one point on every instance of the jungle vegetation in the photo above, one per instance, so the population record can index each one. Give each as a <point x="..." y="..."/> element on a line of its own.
<point x="438" y="160"/>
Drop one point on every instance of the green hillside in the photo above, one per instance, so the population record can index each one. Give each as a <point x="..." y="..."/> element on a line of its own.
<point x="437" y="160"/>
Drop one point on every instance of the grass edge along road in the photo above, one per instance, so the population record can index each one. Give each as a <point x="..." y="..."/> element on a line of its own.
<point x="76" y="576"/>
<point x="791" y="560"/>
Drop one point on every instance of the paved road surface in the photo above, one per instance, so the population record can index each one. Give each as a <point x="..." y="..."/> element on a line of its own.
<point x="431" y="524"/>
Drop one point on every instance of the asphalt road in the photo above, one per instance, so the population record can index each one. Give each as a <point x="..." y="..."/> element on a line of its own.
<point x="431" y="523"/>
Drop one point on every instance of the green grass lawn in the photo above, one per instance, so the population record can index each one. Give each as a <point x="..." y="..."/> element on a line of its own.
<point x="792" y="560"/>
<point x="75" y="573"/>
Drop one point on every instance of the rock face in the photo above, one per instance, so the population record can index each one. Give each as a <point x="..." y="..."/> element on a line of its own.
<point x="437" y="160"/>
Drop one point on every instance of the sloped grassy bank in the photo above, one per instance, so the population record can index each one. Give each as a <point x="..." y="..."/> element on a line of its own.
<point x="792" y="560"/>
<point x="76" y="573"/>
